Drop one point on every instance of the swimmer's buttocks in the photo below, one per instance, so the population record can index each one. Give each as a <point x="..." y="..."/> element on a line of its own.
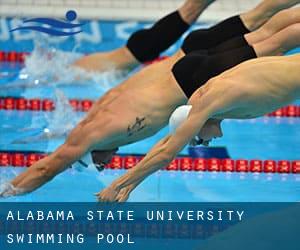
<point x="192" y="71"/>
<point x="185" y="69"/>
<point x="234" y="43"/>
<point x="208" y="38"/>
<point x="147" y="44"/>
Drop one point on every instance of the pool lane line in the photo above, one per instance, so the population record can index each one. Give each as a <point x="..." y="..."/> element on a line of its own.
<point x="84" y="105"/>
<point x="19" y="57"/>
<point x="37" y="104"/>
<point x="6" y="103"/>
<point x="13" y="56"/>
<point x="183" y="163"/>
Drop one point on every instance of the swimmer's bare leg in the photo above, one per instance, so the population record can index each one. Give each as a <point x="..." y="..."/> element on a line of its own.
<point x="118" y="59"/>
<point x="279" y="43"/>
<point x="192" y="9"/>
<point x="256" y="17"/>
<point x="279" y="21"/>
<point x="121" y="58"/>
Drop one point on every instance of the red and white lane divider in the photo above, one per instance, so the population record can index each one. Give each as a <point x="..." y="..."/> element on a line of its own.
<point x="13" y="103"/>
<point x="85" y="105"/>
<point x="19" y="57"/>
<point x="13" y="56"/>
<point x="20" y="159"/>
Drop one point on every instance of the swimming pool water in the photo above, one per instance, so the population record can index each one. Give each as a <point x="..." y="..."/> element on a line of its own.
<point x="72" y="186"/>
<point x="263" y="138"/>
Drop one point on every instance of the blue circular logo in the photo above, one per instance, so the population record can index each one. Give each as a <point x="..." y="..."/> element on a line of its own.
<point x="71" y="15"/>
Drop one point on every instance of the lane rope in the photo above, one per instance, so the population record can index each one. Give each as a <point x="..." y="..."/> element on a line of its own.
<point x="84" y="105"/>
<point x="26" y="159"/>
<point x="21" y="159"/>
<point x="19" y="57"/>
<point x="11" y="103"/>
<point x="13" y="56"/>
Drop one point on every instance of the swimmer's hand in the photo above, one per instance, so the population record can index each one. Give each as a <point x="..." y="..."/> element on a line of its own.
<point x="109" y="194"/>
<point x="7" y="190"/>
<point x="124" y="194"/>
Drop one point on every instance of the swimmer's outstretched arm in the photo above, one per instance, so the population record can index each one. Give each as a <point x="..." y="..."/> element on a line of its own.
<point x="159" y="157"/>
<point x="43" y="171"/>
<point x="81" y="139"/>
<point x="163" y="153"/>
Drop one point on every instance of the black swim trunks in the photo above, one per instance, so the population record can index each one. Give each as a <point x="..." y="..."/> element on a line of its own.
<point x="205" y="39"/>
<point x="195" y="69"/>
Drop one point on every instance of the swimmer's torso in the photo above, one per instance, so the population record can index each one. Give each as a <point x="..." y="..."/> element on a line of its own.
<point x="143" y="103"/>
<point x="260" y="86"/>
<point x="154" y="90"/>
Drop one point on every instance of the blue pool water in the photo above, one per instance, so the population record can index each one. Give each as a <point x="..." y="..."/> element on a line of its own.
<point x="263" y="138"/>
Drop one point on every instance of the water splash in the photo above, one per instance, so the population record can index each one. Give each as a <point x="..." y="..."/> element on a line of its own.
<point x="58" y="122"/>
<point x="48" y="66"/>
<point x="63" y="119"/>
<point x="8" y="190"/>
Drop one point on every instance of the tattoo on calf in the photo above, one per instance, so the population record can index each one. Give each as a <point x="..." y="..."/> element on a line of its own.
<point x="137" y="126"/>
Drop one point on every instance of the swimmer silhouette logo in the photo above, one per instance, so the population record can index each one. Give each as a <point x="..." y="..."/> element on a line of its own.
<point x="57" y="27"/>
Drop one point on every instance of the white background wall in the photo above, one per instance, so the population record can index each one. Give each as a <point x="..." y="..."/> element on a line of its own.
<point x="117" y="9"/>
